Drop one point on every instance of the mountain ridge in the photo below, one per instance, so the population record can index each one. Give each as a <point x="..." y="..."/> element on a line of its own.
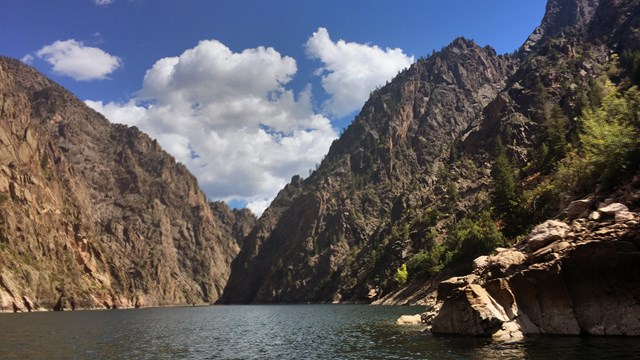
<point x="94" y="214"/>
<point x="411" y="172"/>
<point x="373" y="151"/>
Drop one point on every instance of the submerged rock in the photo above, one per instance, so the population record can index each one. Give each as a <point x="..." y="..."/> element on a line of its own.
<point x="409" y="320"/>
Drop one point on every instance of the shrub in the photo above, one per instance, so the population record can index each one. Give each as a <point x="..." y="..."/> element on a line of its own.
<point x="401" y="275"/>
<point x="471" y="238"/>
<point x="426" y="264"/>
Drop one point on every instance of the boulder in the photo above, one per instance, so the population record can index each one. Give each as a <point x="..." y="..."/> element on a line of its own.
<point x="579" y="208"/>
<point x="545" y="233"/>
<point x="562" y="279"/>
<point x="447" y="288"/>
<point x="480" y="263"/>
<point x="624" y="216"/>
<point x="409" y="320"/>
<point x="503" y="260"/>
<point x="611" y="209"/>
<point x="470" y="311"/>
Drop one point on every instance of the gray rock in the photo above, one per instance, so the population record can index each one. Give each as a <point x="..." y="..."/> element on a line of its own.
<point x="579" y="208"/>
<point x="545" y="233"/>
<point x="611" y="209"/>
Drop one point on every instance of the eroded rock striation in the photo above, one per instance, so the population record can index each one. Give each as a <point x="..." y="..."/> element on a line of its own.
<point x="97" y="215"/>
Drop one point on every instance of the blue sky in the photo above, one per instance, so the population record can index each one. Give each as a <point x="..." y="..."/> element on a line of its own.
<point x="273" y="83"/>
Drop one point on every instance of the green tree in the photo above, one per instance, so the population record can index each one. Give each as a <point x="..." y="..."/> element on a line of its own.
<point x="426" y="264"/>
<point x="540" y="100"/>
<point x="556" y="126"/>
<point x="471" y="238"/>
<point x="608" y="144"/>
<point x="503" y="194"/>
<point x="630" y="61"/>
<point x="608" y="138"/>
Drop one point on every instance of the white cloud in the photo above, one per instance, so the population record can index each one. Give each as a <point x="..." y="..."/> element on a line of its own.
<point x="72" y="58"/>
<point x="228" y="117"/>
<point x="103" y="2"/>
<point x="259" y="206"/>
<point x="27" y="59"/>
<point x="352" y="70"/>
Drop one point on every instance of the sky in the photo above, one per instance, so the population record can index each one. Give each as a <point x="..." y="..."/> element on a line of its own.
<point x="245" y="93"/>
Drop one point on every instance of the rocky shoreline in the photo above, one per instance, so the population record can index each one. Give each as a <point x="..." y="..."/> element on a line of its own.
<point x="579" y="276"/>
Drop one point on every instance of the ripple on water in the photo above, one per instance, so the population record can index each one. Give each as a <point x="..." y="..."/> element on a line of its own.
<point x="270" y="332"/>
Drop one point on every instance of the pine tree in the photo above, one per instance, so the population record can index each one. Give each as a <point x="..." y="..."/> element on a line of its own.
<point x="504" y="197"/>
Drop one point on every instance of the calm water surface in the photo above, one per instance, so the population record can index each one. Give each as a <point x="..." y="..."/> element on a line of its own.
<point x="269" y="332"/>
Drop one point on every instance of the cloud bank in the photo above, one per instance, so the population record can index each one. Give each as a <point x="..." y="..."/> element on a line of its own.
<point x="352" y="70"/>
<point x="228" y="117"/>
<point x="72" y="58"/>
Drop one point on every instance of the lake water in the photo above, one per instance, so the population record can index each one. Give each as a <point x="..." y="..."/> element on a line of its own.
<point x="269" y="332"/>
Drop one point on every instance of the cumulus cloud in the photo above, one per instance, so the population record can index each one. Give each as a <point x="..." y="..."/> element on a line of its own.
<point x="72" y="58"/>
<point x="228" y="117"/>
<point x="103" y="2"/>
<point x="352" y="70"/>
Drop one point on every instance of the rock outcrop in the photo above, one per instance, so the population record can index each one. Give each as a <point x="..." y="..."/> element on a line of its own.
<point x="575" y="278"/>
<point x="97" y="215"/>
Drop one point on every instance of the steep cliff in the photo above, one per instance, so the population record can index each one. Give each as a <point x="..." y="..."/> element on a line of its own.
<point x="331" y="237"/>
<point x="97" y="215"/>
<point x="575" y="274"/>
<point x="460" y="153"/>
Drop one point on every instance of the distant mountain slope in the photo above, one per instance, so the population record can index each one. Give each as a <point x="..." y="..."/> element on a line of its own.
<point x="97" y="215"/>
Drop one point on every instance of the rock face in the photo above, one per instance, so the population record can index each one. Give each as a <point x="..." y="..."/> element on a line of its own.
<point x="327" y="238"/>
<point x="97" y="215"/>
<point x="237" y="222"/>
<point x="584" y="278"/>
<point x="417" y="159"/>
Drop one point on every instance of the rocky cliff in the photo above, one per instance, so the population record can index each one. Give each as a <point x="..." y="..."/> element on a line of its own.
<point x="331" y="237"/>
<point x="460" y="153"/>
<point x="97" y="215"/>
<point x="572" y="277"/>
<point x="575" y="274"/>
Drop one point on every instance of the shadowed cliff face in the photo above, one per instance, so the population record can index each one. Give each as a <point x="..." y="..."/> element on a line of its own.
<point x="323" y="239"/>
<point x="96" y="215"/>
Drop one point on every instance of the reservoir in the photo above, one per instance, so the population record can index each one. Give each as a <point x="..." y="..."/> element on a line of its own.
<point x="270" y="332"/>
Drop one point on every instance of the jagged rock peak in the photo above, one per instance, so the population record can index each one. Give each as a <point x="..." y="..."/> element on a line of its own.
<point x="563" y="16"/>
<point x="237" y="222"/>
